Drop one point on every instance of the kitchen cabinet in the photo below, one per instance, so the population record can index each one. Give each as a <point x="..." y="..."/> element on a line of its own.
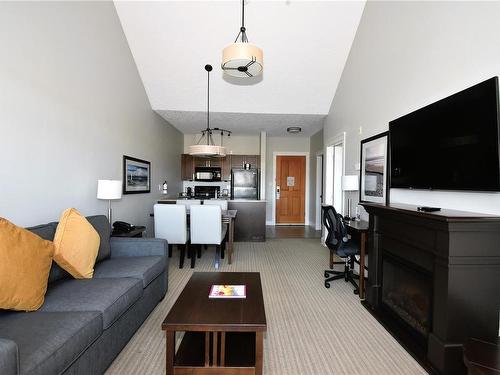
<point x="206" y="162"/>
<point x="250" y="222"/>
<point x="237" y="161"/>
<point x="189" y="163"/>
<point x="226" y="168"/>
<point x="187" y="167"/>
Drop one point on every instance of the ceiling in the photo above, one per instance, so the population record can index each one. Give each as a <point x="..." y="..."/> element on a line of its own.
<point x="305" y="44"/>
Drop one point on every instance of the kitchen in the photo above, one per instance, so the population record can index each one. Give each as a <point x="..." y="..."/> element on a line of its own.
<point x="234" y="178"/>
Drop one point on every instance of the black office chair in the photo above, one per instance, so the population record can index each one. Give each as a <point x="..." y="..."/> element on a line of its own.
<point x="339" y="243"/>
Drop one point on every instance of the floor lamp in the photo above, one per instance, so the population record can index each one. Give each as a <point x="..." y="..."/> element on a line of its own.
<point x="110" y="190"/>
<point x="350" y="183"/>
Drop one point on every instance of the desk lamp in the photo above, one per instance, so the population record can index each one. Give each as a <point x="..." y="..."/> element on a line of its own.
<point x="350" y="183"/>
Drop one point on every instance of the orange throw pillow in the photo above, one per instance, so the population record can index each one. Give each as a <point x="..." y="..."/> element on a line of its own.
<point x="77" y="243"/>
<point x="25" y="261"/>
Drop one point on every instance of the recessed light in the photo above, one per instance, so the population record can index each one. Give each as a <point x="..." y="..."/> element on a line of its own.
<point x="294" y="129"/>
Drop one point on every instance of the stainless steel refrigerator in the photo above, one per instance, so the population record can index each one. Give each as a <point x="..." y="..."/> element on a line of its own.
<point x="245" y="184"/>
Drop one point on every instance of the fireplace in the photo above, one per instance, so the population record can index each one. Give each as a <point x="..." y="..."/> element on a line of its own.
<point x="433" y="280"/>
<point x="407" y="295"/>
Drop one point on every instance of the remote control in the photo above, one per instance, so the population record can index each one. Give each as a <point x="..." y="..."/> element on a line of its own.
<point x="428" y="209"/>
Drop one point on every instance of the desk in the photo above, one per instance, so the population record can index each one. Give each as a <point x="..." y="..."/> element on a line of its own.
<point x="361" y="228"/>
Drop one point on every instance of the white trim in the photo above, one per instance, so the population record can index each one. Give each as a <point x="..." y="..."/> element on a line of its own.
<point x="333" y="141"/>
<point x="263" y="145"/>
<point x="319" y="180"/>
<point x="306" y="197"/>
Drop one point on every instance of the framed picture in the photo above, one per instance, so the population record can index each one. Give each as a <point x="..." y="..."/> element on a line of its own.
<point x="136" y="175"/>
<point x="374" y="180"/>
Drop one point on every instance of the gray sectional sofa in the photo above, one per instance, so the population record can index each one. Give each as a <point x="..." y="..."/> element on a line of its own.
<point x="84" y="324"/>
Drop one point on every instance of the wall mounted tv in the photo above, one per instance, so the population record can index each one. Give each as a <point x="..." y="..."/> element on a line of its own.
<point x="452" y="144"/>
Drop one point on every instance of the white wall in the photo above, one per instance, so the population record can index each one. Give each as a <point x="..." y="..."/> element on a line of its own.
<point x="71" y="104"/>
<point x="405" y="56"/>
<point x="289" y="143"/>
<point x="316" y="145"/>
<point x="235" y="144"/>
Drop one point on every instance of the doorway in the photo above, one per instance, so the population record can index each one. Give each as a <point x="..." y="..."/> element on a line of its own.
<point x="334" y="171"/>
<point x="291" y="174"/>
<point x="319" y="188"/>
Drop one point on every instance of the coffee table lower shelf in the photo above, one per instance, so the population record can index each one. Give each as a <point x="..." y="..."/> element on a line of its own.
<point x="210" y="353"/>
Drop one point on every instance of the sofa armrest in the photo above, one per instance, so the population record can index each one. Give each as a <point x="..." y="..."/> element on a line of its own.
<point x="137" y="247"/>
<point x="9" y="359"/>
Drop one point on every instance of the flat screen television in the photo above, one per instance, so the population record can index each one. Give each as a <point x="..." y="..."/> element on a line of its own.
<point x="452" y="144"/>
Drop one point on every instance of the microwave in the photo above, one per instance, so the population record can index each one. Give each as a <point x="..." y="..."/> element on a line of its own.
<point x="207" y="174"/>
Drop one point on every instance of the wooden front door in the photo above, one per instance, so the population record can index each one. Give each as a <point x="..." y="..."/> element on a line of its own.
<point x="291" y="185"/>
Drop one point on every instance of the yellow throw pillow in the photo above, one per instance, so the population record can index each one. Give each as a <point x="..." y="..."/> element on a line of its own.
<point x="77" y="243"/>
<point x="25" y="261"/>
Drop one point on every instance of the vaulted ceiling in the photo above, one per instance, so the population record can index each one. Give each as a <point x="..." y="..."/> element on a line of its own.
<point x="305" y="44"/>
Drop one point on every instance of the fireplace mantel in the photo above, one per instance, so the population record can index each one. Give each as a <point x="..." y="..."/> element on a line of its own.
<point x="462" y="252"/>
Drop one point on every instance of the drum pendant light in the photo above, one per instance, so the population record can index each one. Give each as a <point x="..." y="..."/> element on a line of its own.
<point x="209" y="148"/>
<point x="242" y="59"/>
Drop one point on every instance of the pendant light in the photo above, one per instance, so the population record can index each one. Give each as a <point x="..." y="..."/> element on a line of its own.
<point x="208" y="148"/>
<point x="242" y="59"/>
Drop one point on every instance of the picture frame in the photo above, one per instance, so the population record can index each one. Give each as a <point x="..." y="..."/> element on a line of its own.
<point x="374" y="183"/>
<point x="136" y="175"/>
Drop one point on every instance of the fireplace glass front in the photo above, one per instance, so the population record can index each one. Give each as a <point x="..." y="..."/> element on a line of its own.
<point x="407" y="293"/>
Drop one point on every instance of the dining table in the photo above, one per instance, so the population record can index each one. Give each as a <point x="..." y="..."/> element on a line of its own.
<point x="228" y="217"/>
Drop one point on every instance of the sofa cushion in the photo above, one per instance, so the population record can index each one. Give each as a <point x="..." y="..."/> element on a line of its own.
<point x="25" y="261"/>
<point x="101" y="225"/>
<point x="47" y="232"/>
<point x="111" y="297"/>
<point x="8" y="357"/>
<point x="49" y="342"/>
<point x="143" y="268"/>
<point x="77" y="243"/>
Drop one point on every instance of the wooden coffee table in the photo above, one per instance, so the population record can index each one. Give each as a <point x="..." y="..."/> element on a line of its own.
<point x="222" y="336"/>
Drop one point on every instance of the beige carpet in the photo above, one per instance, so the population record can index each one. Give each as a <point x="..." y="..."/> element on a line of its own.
<point x="311" y="329"/>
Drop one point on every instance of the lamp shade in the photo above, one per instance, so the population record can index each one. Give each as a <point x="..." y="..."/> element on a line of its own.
<point x="109" y="189"/>
<point x="207" y="150"/>
<point x="350" y="183"/>
<point x="242" y="60"/>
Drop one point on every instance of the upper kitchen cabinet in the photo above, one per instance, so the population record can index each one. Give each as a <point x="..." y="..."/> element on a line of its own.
<point x="238" y="161"/>
<point x="189" y="163"/>
<point x="187" y="167"/>
<point x="207" y="162"/>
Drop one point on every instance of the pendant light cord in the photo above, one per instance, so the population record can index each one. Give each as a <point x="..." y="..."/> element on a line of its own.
<point x="242" y="13"/>
<point x="208" y="107"/>
<point x="242" y="32"/>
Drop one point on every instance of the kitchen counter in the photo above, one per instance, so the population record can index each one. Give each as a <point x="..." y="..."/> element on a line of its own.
<point x="250" y="223"/>
<point x="212" y="199"/>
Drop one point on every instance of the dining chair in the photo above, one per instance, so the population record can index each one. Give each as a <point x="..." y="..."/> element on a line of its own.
<point x="217" y="202"/>
<point x="188" y="202"/>
<point x="207" y="229"/>
<point x="171" y="225"/>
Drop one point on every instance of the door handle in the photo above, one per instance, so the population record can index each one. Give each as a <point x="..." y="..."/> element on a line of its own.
<point x="278" y="192"/>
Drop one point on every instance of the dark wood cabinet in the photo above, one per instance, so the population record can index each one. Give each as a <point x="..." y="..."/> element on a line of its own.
<point x="237" y="161"/>
<point x="189" y="163"/>
<point x="250" y="222"/>
<point x="187" y="167"/>
<point x="226" y="168"/>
